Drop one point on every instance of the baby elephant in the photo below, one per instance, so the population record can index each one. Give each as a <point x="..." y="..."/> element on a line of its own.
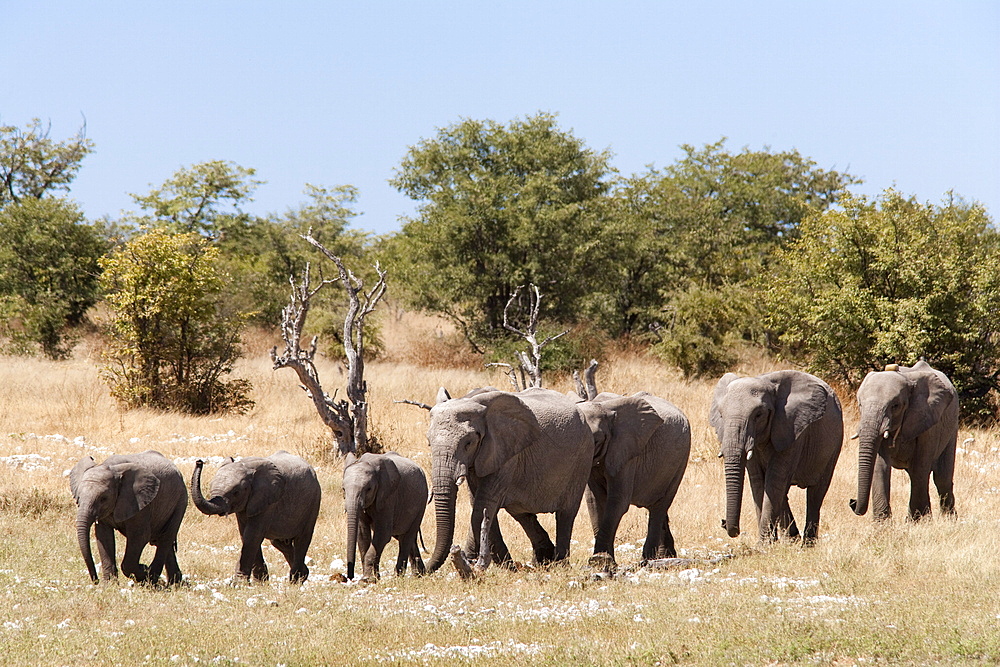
<point x="384" y="497"/>
<point x="276" y="498"/>
<point x="142" y="496"/>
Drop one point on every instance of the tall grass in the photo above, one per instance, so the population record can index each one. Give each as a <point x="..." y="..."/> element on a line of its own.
<point x="894" y="593"/>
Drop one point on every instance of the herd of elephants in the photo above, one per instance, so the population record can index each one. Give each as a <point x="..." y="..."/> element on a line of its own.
<point x="540" y="451"/>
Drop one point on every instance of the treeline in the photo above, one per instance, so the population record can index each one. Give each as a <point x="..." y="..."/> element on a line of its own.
<point x="719" y="251"/>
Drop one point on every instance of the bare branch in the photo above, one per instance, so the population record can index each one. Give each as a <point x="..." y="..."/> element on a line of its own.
<point x="511" y="373"/>
<point x="416" y="403"/>
<point x="532" y="366"/>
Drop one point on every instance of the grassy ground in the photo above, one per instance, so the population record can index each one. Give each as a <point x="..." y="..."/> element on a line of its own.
<point x="895" y="593"/>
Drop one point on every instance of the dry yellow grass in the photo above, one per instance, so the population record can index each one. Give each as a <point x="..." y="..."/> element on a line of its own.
<point x="892" y="593"/>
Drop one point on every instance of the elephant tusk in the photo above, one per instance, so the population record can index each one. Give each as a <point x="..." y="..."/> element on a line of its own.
<point x="885" y="436"/>
<point x="721" y="455"/>
<point x="855" y="436"/>
<point x="460" y="480"/>
<point x="749" y="455"/>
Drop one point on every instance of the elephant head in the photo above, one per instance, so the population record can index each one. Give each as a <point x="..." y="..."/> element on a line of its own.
<point x="897" y="405"/>
<point x="248" y="486"/>
<point x="112" y="493"/>
<point x="474" y="435"/>
<point x="753" y="413"/>
<point x="621" y="425"/>
<point x="370" y="485"/>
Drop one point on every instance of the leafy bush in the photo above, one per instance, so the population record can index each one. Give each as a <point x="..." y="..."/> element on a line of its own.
<point x="172" y="340"/>
<point x="893" y="280"/>
<point x="48" y="273"/>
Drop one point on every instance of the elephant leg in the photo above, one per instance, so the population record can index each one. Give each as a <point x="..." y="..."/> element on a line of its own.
<point x="541" y="544"/>
<point x="416" y="561"/>
<point x="596" y="495"/>
<point x="298" y="570"/>
<point x="564" y="531"/>
<point x="773" y="508"/>
<point x="656" y="525"/>
<point x="814" y="502"/>
<point x="174" y="575"/>
<point x="756" y="476"/>
<point x="786" y="522"/>
<point x="944" y="476"/>
<point x="131" y="567"/>
<point x="105" y="535"/>
<point x="666" y="548"/>
<point x="881" y="476"/>
<point x="920" y="492"/>
<point x="251" y="564"/>
<point x="619" y="495"/>
<point x="373" y="556"/>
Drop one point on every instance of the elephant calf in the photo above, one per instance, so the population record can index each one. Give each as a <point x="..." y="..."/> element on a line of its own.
<point x="384" y="497"/>
<point x="275" y="498"/>
<point x="142" y="496"/>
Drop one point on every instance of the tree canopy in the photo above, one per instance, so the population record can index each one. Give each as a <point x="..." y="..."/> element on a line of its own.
<point x="890" y="280"/>
<point x="499" y="206"/>
<point x="32" y="164"/>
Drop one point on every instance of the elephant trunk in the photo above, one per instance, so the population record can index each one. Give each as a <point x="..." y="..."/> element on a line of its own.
<point x="217" y="505"/>
<point x="734" y="448"/>
<point x="354" y="511"/>
<point x="85" y="518"/>
<point x="870" y="436"/>
<point x="445" y="492"/>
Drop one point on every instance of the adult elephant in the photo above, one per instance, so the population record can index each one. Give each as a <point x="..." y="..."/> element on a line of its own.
<point x="143" y="497"/>
<point x="909" y="420"/>
<point x="782" y="428"/>
<point x="528" y="452"/>
<point x="275" y="498"/>
<point x="642" y="443"/>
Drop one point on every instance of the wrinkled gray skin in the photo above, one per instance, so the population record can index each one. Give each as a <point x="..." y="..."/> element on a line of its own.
<point x="642" y="444"/>
<point x="783" y="428"/>
<point x="384" y="497"/>
<point x="909" y="420"/>
<point x="528" y="452"/>
<point x="143" y="497"/>
<point x="275" y="498"/>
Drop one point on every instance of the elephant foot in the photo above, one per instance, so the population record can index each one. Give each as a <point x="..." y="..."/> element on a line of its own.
<point x="603" y="562"/>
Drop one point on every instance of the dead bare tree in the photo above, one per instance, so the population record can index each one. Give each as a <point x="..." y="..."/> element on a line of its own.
<point x="347" y="419"/>
<point x="588" y="392"/>
<point x="531" y="366"/>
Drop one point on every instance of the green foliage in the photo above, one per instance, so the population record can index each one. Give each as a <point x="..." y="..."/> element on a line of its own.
<point x="500" y="206"/>
<point x="173" y="339"/>
<point x="709" y="222"/>
<point x="48" y="272"/>
<point x="33" y="165"/>
<point x="703" y="329"/>
<point x="202" y="199"/>
<point x="893" y="280"/>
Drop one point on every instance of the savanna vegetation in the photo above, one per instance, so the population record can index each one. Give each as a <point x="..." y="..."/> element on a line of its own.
<point x="154" y="331"/>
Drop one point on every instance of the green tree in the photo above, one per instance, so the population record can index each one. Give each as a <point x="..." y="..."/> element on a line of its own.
<point x="33" y="165"/>
<point x="174" y="338"/>
<point x="683" y="243"/>
<point x="892" y="280"/>
<point x="48" y="272"/>
<point x="500" y="206"/>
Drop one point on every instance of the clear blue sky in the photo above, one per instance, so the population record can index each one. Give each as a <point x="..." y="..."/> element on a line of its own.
<point x="903" y="94"/>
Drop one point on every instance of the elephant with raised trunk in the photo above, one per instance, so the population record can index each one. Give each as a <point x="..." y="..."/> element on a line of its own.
<point x="143" y="497"/>
<point x="782" y="428"/>
<point x="384" y="497"/>
<point x="642" y="443"/>
<point x="275" y="498"/>
<point x="528" y="452"/>
<point x="909" y="421"/>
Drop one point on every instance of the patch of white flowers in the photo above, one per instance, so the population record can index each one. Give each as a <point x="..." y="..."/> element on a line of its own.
<point x="472" y="651"/>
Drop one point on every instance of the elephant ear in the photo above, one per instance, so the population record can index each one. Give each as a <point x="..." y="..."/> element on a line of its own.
<point x="442" y="396"/>
<point x="76" y="475"/>
<point x="800" y="400"/>
<point x="718" y="397"/>
<point x="634" y="422"/>
<point x="388" y="485"/>
<point x="136" y="488"/>
<point x="930" y="396"/>
<point x="511" y="427"/>
<point x="266" y="487"/>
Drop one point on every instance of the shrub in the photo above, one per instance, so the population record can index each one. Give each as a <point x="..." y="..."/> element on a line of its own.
<point x="172" y="340"/>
